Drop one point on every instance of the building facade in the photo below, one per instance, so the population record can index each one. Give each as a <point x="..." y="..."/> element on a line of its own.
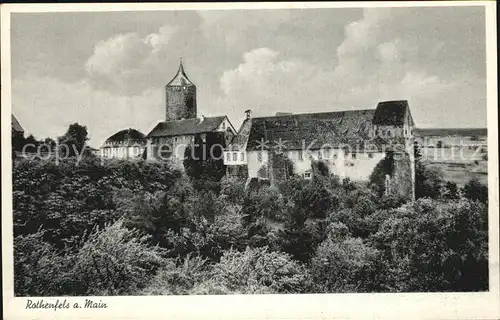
<point x="349" y="143"/>
<point x="182" y="127"/>
<point x="125" y="144"/>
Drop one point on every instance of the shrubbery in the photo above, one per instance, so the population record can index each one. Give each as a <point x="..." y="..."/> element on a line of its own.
<point x="129" y="228"/>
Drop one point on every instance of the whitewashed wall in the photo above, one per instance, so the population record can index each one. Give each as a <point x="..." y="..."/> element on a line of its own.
<point x="122" y="152"/>
<point x="253" y="164"/>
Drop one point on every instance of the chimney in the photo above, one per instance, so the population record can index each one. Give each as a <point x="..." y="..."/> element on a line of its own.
<point x="248" y="114"/>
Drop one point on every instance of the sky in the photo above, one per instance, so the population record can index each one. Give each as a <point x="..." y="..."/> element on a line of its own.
<point x="107" y="70"/>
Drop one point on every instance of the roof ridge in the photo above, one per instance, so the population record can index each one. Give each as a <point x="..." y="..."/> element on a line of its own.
<point x="312" y="113"/>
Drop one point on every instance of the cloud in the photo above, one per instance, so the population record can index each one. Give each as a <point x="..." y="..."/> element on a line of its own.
<point x="371" y="67"/>
<point x="46" y="107"/>
<point x="123" y="62"/>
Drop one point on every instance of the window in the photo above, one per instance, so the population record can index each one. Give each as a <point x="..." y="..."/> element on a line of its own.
<point x="228" y="156"/>
<point x="307" y="175"/>
<point x="235" y="156"/>
<point x="242" y="156"/>
<point x="353" y="155"/>
<point x="320" y="155"/>
<point x="301" y="156"/>
<point x="223" y="126"/>
<point x="259" y="156"/>
<point x="370" y="155"/>
<point x="389" y="133"/>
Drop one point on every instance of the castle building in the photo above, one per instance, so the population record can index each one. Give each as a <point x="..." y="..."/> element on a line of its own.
<point x="182" y="126"/>
<point x="349" y="143"/>
<point x="125" y="144"/>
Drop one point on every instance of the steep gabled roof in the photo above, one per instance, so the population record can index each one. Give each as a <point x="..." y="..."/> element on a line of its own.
<point x="180" y="79"/>
<point x="186" y="126"/>
<point x="391" y="112"/>
<point x="126" y="135"/>
<point x="337" y="129"/>
<point x="16" y="126"/>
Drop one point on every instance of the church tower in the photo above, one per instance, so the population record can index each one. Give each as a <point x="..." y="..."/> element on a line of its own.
<point x="180" y="97"/>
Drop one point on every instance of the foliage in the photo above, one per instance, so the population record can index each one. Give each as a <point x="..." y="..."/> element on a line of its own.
<point x="343" y="263"/>
<point x="432" y="246"/>
<point x="203" y="166"/>
<point x="74" y="140"/>
<point x="476" y="191"/>
<point x="136" y="227"/>
<point x="260" y="271"/>
<point x="116" y="261"/>
<point x="383" y="168"/>
<point x="38" y="266"/>
<point x="428" y="181"/>
<point x="178" y="277"/>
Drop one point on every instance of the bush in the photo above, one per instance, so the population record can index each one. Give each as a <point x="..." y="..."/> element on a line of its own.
<point x="259" y="271"/>
<point x="343" y="263"/>
<point x="38" y="267"/>
<point x="476" y="191"/>
<point x="178" y="277"/>
<point x="432" y="246"/>
<point x="115" y="261"/>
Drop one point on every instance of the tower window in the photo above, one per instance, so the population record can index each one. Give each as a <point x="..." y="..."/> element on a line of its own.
<point x="301" y="156"/>
<point x="228" y="156"/>
<point x="235" y="156"/>
<point x="242" y="156"/>
<point x="259" y="156"/>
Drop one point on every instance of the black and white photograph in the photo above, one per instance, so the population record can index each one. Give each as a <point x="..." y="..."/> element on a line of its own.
<point x="205" y="151"/>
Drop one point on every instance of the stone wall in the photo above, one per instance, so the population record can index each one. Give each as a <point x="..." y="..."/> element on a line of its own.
<point x="402" y="180"/>
<point x="180" y="102"/>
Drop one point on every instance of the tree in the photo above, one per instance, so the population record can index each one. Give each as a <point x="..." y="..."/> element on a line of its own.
<point x="428" y="181"/>
<point x="74" y="140"/>
<point x="343" y="264"/>
<point x="451" y="191"/>
<point x="476" y="191"/>
<point x="383" y="168"/>
<point x="258" y="270"/>
<point x="115" y="261"/>
<point x="429" y="245"/>
<point x="205" y="168"/>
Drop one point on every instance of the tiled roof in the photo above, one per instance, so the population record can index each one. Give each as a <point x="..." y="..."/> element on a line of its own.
<point x="16" y="126"/>
<point x="126" y="135"/>
<point x="180" y="78"/>
<point x="390" y="113"/>
<point x="337" y="129"/>
<point x="186" y="126"/>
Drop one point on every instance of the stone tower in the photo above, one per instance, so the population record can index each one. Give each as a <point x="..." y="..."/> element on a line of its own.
<point x="180" y="97"/>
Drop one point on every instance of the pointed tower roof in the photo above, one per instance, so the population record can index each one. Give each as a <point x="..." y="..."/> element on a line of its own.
<point x="180" y="78"/>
